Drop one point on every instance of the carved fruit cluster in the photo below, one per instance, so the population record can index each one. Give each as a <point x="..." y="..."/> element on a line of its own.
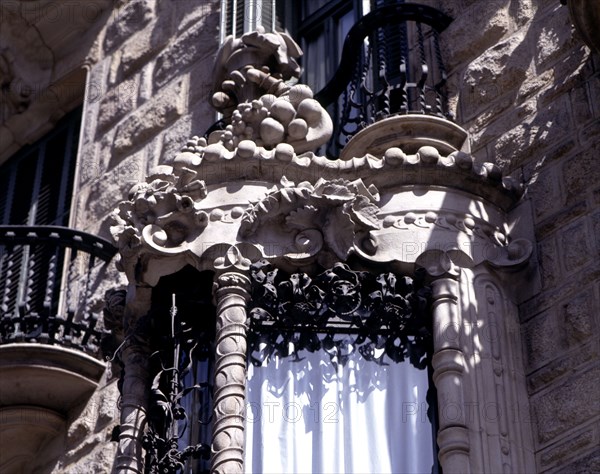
<point x="271" y="120"/>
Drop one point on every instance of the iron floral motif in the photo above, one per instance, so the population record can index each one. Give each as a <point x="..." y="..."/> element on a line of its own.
<point x="339" y="311"/>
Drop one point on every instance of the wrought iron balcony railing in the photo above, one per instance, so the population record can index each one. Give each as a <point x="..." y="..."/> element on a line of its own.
<point x="47" y="275"/>
<point x="391" y="64"/>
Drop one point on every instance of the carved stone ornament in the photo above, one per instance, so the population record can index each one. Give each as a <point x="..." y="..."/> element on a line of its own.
<point x="255" y="91"/>
<point x="308" y="220"/>
<point x="161" y="215"/>
<point x="257" y="62"/>
<point x="15" y="94"/>
<point x="256" y="190"/>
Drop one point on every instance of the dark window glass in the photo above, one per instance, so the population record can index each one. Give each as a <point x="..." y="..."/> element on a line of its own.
<point x="35" y="189"/>
<point x="38" y="181"/>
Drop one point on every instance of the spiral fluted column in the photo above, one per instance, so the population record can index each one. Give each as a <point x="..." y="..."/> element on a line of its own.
<point x="135" y="356"/>
<point x="232" y="286"/>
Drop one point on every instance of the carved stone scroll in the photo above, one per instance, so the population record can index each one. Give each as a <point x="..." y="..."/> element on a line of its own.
<point x="232" y="292"/>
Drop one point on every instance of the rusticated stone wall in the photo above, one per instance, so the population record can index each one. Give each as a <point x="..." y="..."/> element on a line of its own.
<point x="86" y="446"/>
<point x="527" y="89"/>
<point x="147" y="93"/>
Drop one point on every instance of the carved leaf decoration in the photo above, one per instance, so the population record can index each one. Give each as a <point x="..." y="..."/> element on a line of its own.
<point x="338" y="231"/>
<point x="365" y="212"/>
<point x="305" y="217"/>
<point x="336" y="190"/>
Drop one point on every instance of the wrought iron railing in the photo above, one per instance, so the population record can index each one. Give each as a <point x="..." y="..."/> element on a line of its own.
<point x="391" y="64"/>
<point x="47" y="274"/>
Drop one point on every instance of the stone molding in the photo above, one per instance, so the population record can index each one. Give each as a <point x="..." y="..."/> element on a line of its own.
<point x="166" y="221"/>
<point x="24" y="431"/>
<point x="427" y="165"/>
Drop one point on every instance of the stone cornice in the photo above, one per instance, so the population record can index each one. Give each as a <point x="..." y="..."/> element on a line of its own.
<point x="214" y="164"/>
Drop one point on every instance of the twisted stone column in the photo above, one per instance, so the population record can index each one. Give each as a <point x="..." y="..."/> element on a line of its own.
<point x="232" y="287"/>
<point x="135" y="356"/>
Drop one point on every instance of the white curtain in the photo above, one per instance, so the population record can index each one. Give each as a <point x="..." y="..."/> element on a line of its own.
<point x="309" y="416"/>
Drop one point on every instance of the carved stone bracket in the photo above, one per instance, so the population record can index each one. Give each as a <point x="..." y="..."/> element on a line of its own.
<point x="160" y="218"/>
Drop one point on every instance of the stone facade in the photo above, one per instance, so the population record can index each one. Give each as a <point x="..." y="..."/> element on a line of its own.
<point x="522" y="83"/>
<point x="527" y="90"/>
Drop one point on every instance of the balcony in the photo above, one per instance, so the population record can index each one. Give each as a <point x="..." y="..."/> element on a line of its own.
<point x="47" y="279"/>
<point x="391" y="71"/>
<point x="49" y="334"/>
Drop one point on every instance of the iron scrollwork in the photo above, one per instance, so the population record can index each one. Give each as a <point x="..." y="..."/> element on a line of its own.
<point x="383" y="316"/>
<point x="169" y="440"/>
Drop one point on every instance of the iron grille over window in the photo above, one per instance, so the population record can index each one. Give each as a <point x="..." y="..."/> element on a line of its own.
<point x="242" y="16"/>
<point x="47" y="269"/>
<point x="389" y="62"/>
<point x="183" y="322"/>
<point x="338" y="349"/>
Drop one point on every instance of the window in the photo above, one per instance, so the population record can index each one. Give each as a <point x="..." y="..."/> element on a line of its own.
<point x="241" y="16"/>
<point x="37" y="185"/>
<point x="37" y="182"/>
<point x="182" y="332"/>
<point x="391" y="64"/>
<point x="321" y="31"/>
<point x="338" y="375"/>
